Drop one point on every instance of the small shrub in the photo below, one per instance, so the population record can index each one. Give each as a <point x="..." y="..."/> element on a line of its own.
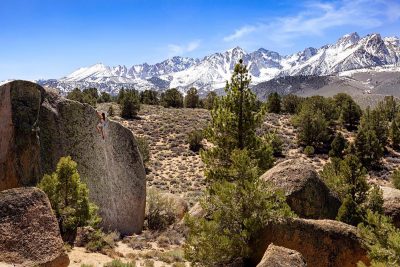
<point x="309" y="151"/>
<point x="99" y="241"/>
<point x="111" y="111"/>
<point x="395" y="177"/>
<point x="144" y="148"/>
<point x="337" y="146"/>
<point x="159" y="210"/>
<point x="275" y="142"/>
<point x="119" y="263"/>
<point x="194" y="139"/>
<point x="69" y="198"/>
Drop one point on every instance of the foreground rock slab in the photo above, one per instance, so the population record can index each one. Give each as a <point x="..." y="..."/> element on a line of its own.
<point x="29" y="233"/>
<point x="325" y="243"/>
<point x="306" y="194"/>
<point x="391" y="204"/>
<point x="281" y="257"/>
<point x="40" y="127"/>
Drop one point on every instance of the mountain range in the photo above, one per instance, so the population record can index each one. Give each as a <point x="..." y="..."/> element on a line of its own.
<point x="350" y="53"/>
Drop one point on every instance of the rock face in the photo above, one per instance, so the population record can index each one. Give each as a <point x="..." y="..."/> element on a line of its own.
<point x="19" y="142"/>
<point x="306" y="194"/>
<point x="391" y="205"/>
<point x="112" y="168"/>
<point x="29" y="233"/>
<point x="321" y="242"/>
<point x="281" y="257"/>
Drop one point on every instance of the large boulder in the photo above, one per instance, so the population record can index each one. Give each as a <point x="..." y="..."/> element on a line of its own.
<point x="19" y="141"/>
<point x="391" y="204"/>
<point x="29" y="233"/>
<point x="306" y="194"/>
<point x="321" y="242"/>
<point x="112" y="168"/>
<point x="276" y="256"/>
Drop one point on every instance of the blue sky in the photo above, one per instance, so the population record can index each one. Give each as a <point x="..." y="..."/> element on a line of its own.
<point x="51" y="38"/>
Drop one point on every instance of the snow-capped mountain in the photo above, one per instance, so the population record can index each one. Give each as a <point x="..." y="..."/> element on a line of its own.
<point x="350" y="52"/>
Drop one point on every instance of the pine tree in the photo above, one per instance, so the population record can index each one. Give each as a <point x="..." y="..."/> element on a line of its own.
<point x="236" y="212"/>
<point x="312" y="127"/>
<point x="209" y="100"/>
<point x="234" y="120"/>
<point x="352" y="210"/>
<point x="382" y="240"/>
<point x="121" y="95"/>
<point x="291" y="103"/>
<point x="237" y="202"/>
<point x="337" y="146"/>
<point x="192" y="98"/>
<point x="149" y="97"/>
<point x="369" y="146"/>
<point x="172" y="98"/>
<point x="395" y="132"/>
<point x="274" y="103"/>
<point x="130" y="104"/>
<point x="388" y="107"/>
<point x="69" y="198"/>
<point x="349" y="111"/>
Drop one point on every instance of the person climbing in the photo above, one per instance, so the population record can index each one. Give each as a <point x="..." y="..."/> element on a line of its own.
<point x="102" y="122"/>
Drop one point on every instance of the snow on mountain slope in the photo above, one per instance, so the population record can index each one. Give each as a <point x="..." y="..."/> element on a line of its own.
<point x="349" y="53"/>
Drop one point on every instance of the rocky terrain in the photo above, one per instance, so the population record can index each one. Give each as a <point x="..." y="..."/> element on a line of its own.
<point x="173" y="170"/>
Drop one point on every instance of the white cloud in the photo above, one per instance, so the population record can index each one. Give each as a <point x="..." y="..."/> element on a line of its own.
<point x="240" y="33"/>
<point x="318" y="17"/>
<point x="175" y="50"/>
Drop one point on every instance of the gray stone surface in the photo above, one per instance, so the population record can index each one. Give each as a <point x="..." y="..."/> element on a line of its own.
<point x="112" y="168"/>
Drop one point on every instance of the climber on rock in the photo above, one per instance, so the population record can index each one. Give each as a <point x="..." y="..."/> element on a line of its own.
<point x="102" y="122"/>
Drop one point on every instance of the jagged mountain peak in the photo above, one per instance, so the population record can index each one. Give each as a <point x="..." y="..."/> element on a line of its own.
<point x="350" y="52"/>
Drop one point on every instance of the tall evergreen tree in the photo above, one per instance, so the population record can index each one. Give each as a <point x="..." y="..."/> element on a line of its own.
<point x="353" y="173"/>
<point x="234" y="120"/>
<point x="371" y="138"/>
